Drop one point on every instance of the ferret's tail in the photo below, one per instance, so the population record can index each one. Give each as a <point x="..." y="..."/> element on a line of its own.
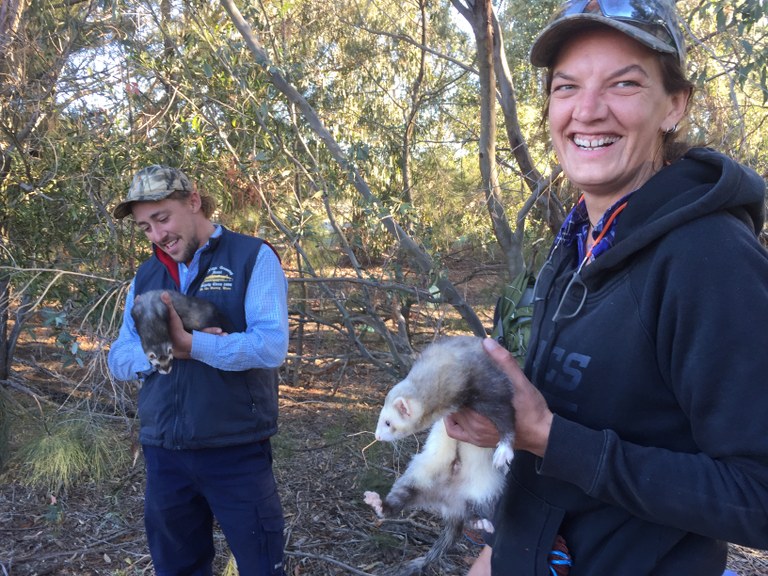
<point x="452" y="531"/>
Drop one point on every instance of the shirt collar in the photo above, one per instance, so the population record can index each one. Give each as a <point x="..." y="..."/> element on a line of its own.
<point x="576" y="227"/>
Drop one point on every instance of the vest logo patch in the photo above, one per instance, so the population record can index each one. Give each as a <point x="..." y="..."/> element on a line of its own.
<point x="218" y="279"/>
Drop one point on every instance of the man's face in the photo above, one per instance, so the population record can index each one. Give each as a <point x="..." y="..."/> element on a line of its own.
<point x="171" y="224"/>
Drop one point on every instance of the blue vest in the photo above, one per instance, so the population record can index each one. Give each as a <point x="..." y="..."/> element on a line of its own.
<point x="196" y="405"/>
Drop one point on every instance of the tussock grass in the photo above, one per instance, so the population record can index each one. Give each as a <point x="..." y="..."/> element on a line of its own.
<point x="69" y="449"/>
<point x="231" y="567"/>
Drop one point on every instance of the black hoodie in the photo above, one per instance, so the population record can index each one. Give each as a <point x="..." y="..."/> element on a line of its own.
<point x="658" y="379"/>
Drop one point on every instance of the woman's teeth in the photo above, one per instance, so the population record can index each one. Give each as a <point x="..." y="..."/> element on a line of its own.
<point x="588" y="143"/>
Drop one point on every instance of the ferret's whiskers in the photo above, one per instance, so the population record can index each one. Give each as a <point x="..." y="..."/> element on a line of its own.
<point x="361" y="432"/>
<point x="365" y="460"/>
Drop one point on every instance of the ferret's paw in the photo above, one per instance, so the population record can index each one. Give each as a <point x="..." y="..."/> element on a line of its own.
<point x="374" y="501"/>
<point x="503" y="456"/>
<point x="483" y="524"/>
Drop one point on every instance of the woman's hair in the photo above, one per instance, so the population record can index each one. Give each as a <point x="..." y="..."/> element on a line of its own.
<point x="675" y="80"/>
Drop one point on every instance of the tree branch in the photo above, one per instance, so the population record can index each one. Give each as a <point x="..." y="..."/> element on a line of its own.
<point x="422" y="260"/>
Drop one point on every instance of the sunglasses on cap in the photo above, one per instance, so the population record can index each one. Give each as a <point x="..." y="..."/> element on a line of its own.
<point x="651" y="22"/>
<point x="654" y="17"/>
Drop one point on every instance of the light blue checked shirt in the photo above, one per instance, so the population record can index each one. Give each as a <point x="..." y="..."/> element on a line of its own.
<point x="264" y="343"/>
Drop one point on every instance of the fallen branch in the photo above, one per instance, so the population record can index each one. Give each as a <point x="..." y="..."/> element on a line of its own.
<point x="328" y="559"/>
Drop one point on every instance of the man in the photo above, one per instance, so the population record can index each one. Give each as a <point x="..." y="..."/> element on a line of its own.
<point x="206" y="425"/>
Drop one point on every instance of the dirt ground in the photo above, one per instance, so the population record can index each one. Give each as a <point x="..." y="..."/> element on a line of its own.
<point x="325" y="458"/>
<point x="324" y="462"/>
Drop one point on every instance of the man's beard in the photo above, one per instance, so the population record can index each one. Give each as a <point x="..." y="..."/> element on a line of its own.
<point x="189" y="251"/>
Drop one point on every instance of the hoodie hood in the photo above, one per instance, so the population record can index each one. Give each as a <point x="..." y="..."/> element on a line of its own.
<point x="702" y="182"/>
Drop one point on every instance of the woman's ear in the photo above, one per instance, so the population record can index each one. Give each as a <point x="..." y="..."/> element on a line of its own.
<point x="678" y="107"/>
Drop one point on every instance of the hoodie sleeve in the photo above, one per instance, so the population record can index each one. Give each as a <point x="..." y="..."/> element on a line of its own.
<point x="711" y="337"/>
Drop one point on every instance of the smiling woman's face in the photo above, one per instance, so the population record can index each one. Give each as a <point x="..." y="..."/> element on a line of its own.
<point x="607" y="111"/>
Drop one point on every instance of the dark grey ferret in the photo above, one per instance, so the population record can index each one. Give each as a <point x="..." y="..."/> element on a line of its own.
<point x="150" y="314"/>
<point x="456" y="480"/>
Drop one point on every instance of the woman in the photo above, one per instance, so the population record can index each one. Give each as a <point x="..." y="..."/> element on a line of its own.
<point x="641" y="435"/>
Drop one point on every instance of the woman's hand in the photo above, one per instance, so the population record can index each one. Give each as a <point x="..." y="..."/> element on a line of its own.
<point x="533" y="418"/>
<point x="466" y="425"/>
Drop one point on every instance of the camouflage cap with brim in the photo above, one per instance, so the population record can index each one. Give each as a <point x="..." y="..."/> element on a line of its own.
<point x="152" y="184"/>
<point x="654" y="23"/>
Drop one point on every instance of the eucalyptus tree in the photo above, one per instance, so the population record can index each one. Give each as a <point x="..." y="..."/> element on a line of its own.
<point x="728" y="57"/>
<point x="41" y="224"/>
<point x="350" y="164"/>
<point x="54" y="180"/>
<point x="178" y="86"/>
<point x="382" y="116"/>
<point x="107" y="88"/>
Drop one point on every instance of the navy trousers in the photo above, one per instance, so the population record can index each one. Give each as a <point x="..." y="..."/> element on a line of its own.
<point x="186" y="489"/>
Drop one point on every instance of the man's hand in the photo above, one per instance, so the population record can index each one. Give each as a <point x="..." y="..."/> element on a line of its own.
<point x="180" y="338"/>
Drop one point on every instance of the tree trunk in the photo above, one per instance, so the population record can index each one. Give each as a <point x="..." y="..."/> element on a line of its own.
<point x="5" y="368"/>
<point x="480" y="16"/>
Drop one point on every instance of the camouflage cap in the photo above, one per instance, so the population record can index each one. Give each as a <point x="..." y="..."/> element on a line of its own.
<point x="654" y="23"/>
<point x="151" y="184"/>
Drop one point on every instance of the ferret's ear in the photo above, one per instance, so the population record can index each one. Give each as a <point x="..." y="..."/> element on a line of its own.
<point x="402" y="407"/>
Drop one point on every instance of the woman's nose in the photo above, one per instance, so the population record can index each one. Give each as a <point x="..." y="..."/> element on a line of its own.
<point x="590" y="106"/>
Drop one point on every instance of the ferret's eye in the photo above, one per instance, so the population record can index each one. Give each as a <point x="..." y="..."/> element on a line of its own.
<point x="387" y="423"/>
<point x="152" y="356"/>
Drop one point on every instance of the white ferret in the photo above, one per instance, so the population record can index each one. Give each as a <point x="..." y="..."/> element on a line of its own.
<point x="456" y="480"/>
